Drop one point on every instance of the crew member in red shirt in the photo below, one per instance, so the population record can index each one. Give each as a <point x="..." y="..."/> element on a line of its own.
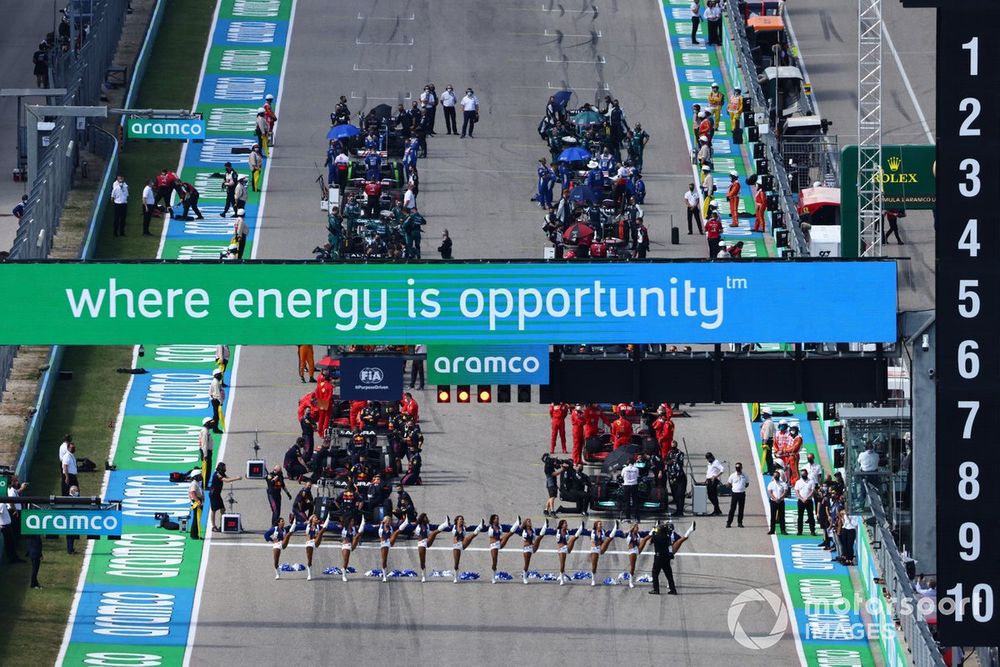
<point x="324" y="400"/>
<point x="760" y="206"/>
<point x="663" y="427"/>
<point x="578" y="420"/>
<point x="355" y="416"/>
<point x="593" y="416"/>
<point x="713" y="232"/>
<point x="558" y="412"/>
<point x="733" y="197"/>
<point x="408" y="406"/>
<point x="621" y="431"/>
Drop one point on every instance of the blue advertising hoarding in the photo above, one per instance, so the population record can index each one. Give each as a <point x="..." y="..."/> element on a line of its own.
<point x="371" y="378"/>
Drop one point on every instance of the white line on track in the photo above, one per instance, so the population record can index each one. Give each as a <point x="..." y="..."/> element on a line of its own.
<point x="358" y="42"/>
<point x="585" y="552"/>
<point x="358" y="68"/>
<point x="600" y="60"/>
<point x="411" y="17"/>
<point x="206" y="550"/>
<point x="909" y="88"/>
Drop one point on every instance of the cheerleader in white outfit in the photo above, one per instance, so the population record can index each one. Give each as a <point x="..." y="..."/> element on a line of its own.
<point x="600" y="540"/>
<point x="277" y="536"/>
<point x="349" y="538"/>
<point x="531" y="543"/>
<point x="565" y="541"/>
<point x="386" y="539"/>
<point x="425" y="538"/>
<point x="314" y="531"/>
<point x="635" y="543"/>
<point x="460" y="540"/>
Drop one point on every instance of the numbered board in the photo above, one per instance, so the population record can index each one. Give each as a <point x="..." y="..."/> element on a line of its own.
<point x="968" y="325"/>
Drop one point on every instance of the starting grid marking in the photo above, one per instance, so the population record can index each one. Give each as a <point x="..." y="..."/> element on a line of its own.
<point x="137" y="599"/>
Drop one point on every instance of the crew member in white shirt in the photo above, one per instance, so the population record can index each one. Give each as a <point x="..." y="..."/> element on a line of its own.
<point x="69" y="469"/>
<point x="630" y="487"/>
<point x="448" y="102"/>
<point x="148" y="205"/>
<point x="713" y="472"/>
<point x="776" y="492"/>
<point x="119" y="197"/>
<point x="804" y="490"/>
<point x="470" y="112"/>
<point x="739" y="482"/>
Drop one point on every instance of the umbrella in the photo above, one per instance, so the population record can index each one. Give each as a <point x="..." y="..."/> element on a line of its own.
<point x="343" y="132"/>
<point x="583" y="193"/>
<point x="381" y="112"/>
<point x="579" y="234"/>
<point x="562" y="98"/>
<point x="588" y="118"/>
<point x="619" y="457"/>
<point x="574" y="154"/>
<point x="328" y="363"/>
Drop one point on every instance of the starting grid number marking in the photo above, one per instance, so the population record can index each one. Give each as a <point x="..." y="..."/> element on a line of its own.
<point x="201" y="251"/>
<point x="257" y="8"/>
<point x="684" y="44"/>
<point x="233" y="121"/>
<point x="208" y="187"/>
<point x="240" y="88"/>
<point x="251" y="32"/>
<point x="245" y="60"/>
<point x="680" y="13"/>
<point x="699" y="93"/>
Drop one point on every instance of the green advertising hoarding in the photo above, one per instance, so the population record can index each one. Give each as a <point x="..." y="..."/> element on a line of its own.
<point x="908" y="182"/>
<point x="71" y="522"/>
<point x="266" y="303"/>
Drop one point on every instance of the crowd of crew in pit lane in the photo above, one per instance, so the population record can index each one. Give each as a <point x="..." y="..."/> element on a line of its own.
<point x="585" y="146"/>
<point x="400" y="237"/>
<point x="664" y="538"/>
<point x="664" y="467"/>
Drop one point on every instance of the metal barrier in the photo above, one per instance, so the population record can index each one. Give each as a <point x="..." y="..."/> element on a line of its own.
<point x="924" y="651"/>
<point x="810" y="160"/>
<point x="783" y="188"/>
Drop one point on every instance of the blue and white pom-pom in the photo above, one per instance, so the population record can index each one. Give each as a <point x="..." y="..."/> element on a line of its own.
<point x="468" y="576"/>
<point x="644" y="579"/>
<point x="548" y="576"/>
<point x="292" y="567"/>
<point x="441" y="573"/>
<point x="582" y="576"/>
<point x="504" y="576"/>
<point x="534" y="574"/>
<point x="374" y="573"/>
<point x="610" y="581"/>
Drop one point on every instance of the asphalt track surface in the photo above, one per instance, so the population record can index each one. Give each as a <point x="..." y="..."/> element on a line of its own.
<point x="827" y="33"/>
<point x="478" y="460"/>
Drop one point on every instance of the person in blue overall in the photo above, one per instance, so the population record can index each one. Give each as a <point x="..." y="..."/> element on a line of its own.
<point x="410" y="157"/>
<point x="565" y="173"/>
<point x="595" y="181"/>
<point x="544" y="195"/>
<point x="371" y="141"/>
<point x="373" y="167"/>
<point x="637" y="188"/>
<point x="607" y="164"/>
<point x="278" y="536"/>
<point x="331" y="168"/>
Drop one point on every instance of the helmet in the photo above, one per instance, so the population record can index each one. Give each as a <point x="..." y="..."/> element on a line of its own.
<point x="196" y="473"/>
<point x="794" y="427"/>
<point x="269" y="97"/>
<point x="217" y="373"/>
<point x="783" y="424"/>
<point x="260" y="109"/>
<point x="206" y="421"/>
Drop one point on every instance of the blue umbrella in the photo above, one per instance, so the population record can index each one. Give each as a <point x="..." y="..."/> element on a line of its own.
<point x="343" y="132"/>
<point x="574" y="154"/>
<point x="562" y="98"/>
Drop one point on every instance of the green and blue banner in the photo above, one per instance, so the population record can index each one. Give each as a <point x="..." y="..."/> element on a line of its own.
<point x="106" y="523"/>
<point x="165" y="128"/>
<point x="462" y="303"/>
<point x="138" y="596"/>
<point x="488" y="364"/>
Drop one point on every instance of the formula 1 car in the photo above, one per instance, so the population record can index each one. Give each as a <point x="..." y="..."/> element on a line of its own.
<point x="608" y="496"/>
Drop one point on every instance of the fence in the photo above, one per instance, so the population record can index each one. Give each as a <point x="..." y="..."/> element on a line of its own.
<point x="810" y="160"/>
<point x="783" y="188"/>
<point x="82" y="69"/>
<point x="923" y="650"/>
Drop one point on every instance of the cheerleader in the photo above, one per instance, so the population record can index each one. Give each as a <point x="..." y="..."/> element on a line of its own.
<point x="600" y="540"/>
<point x="425" y="538"/>
<point x="349" y="538"/>
<point x="278" y="536"/>
<point x="314" y="536"/>
<point x="386" y="539"/>
<point x="495" y="534"/>
<point x="635" y="543"/>
<point x="565" y="542"/>
<point x="531" y="543"/>
<point x="460" y="541"/>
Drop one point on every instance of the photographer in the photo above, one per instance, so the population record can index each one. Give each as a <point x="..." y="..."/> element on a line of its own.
<point x="404" y="505"/>
<point x="275" y="487"/>
<point x="303" y="505"/>
<point x="576" y="488"/>
<point x="294" y="464"/>
<point x="553" y="469"/>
